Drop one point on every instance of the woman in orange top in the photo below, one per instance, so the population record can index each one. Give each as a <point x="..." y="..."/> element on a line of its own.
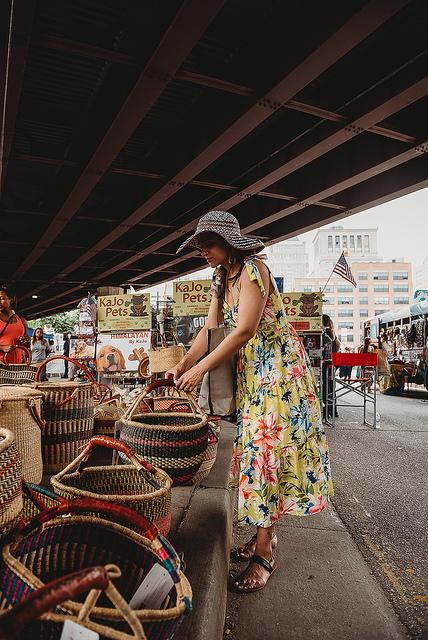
<point x="13" y="330"/>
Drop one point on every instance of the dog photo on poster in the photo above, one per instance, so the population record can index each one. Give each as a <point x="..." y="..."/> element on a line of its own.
<point x="118" y="352"/>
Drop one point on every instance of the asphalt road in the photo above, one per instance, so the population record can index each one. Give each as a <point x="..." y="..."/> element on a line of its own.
<point x="381" y="495"/>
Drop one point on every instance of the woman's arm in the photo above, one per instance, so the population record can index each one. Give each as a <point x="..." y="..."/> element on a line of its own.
<point x="251" y="306"/>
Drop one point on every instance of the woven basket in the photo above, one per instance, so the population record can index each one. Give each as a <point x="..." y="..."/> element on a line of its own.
<point x="10" y="483"/>
<point x="175" y="442"/>
<point x="18" y="373"/>
<point x="139" y="486"/>
<point x="165" y="357"/>
<point x="105" y="417"/>
<point x="66" y="545"/>
<point x="37" y="499"/>
<point x="68" y="409"/>
<point x="21" y="411"/>
<point x="210" y="454"/>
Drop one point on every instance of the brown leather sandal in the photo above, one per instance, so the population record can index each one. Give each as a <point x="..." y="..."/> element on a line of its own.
<point x="245" y="552"/>
<point x="235" y="578"/>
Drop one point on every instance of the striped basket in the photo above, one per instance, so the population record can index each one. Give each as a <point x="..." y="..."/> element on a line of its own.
<point x="68" y="409"/>
<point x="22" y="373"/>
<point x="210" y="454"/>
<point x="10" y="483"/>
<point x="21" y="411"/>
<point x="66" y="545"/>
<point x="175" y="442"/>
<point x="139" y="486"/>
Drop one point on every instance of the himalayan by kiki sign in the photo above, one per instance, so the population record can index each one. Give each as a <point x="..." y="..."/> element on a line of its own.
<point x="303" y="310"/>
<point x="191" y="298"/>
<point x="124" y="312"/>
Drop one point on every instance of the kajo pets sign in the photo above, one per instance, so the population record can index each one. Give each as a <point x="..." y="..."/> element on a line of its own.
<point x="303" y="310"/>
<point x="191" y="298"/>
<point x="124" y="312"/>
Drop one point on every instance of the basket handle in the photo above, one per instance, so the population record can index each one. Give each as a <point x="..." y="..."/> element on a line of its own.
<point x="67" y="587"/>
<point x="22" y="348"/>
<point x="79" y="365"/>
<point x="36" y="415"/>
<point x="169" y="382"/>
<point x="128" y="516"/>
<point x="144" y="467"/>
<point x="33" y="495"/>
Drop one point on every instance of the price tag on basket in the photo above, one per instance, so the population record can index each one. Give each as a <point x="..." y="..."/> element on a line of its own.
<point x="73" y="631"/>
<point x="153" y="590"/>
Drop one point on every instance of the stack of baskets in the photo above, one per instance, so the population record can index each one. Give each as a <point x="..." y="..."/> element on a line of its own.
<point x="21" y="411"/>
<point x="176" y="441"/>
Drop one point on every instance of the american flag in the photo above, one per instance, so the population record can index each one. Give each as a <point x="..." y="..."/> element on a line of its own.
<point x="342" y="268"/>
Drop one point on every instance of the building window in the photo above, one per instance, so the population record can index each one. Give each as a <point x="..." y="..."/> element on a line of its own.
<point x="349" y="338"/>
<point x="330" y="244"/>
<point x="345" y="288"/>
<point x="364" y="300"/>
<point x="346" y="313"/>
<point x="363" y="275"/>
<point x="346" y="325"/>
<point x="307" y="288"/>
<point x="366" y="244"/>
<point x="401" y="300"/>
<point x="337" y="244"/>
<point x="400" y="275"/>
<point x="380" y="311"/>
<point x="403" y="288"/>
<point x="364" y="313"/>
<point x="380" y="275"/>
<point x="363" y="288"/>
<point x="328" y="300"/>
<point x="359" y="243"/>
<point x="329" y="288"/>
<point x="352" y="244"/>
<point x="345" y="300"/>
<point x="344" y="242"/>
<point x="383" y="300"/>
<point x="380" y="288"/>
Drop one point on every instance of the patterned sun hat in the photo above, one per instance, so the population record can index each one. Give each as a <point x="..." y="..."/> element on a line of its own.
<point x="225" y="225"/>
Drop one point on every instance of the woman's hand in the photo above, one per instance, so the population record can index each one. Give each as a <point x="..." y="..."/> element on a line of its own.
<point x="189" y="380"/>
<point x="176" y="372"/>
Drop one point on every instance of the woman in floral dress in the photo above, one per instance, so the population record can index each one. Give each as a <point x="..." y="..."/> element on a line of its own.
<point x="280" y="462"/>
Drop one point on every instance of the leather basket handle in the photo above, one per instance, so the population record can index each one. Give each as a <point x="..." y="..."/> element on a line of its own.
<point x="69" y="587"/>
<point x="22" y="348"/>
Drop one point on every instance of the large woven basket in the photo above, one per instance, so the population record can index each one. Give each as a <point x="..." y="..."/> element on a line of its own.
<point x="37" y="499"/>
<point x="10" y="483"/>
<point x="166" y="356"/>
<point x="175" y="442"/>
<point x="139" y="486"/>
<point x="22" y="373"/>
<point x="68" y="409"/>
<point x="21" y="411"/>
<point x="66" y="545"/>
<point x="210" y="455"/>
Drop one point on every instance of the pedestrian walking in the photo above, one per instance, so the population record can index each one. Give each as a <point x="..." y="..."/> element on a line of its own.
<point x="331" y="344"/>
<point x="13" y="328"/>
<point x="40" y="350"/>
<point x="280" y="461"/>
<point x="66" y="352"/>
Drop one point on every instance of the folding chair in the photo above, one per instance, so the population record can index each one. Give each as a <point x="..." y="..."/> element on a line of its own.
<point x="338" y="388"/>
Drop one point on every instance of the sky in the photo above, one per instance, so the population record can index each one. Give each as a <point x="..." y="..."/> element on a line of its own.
<point x="402" y="228"/>
<point x="402" y="231"/>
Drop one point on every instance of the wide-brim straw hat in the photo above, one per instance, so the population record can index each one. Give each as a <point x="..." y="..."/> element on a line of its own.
<point x="225" y="225"/>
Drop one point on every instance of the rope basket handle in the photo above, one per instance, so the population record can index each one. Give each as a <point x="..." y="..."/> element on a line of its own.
<point x="144" y="467"/>
<point x="79" y="365"/>
<point x="26" y="351"/>
<point x="84" y="505"/>
<point x="157" y="384"/>
<point x="68" y="587"/>
<point x="34" y="497"/>
<point x="163" y="339"/>
<point x="36" y="415"/>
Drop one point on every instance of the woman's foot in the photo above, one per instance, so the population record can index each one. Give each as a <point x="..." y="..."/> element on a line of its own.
<point x="254" y="577"/>
<point x="245" y="552"/>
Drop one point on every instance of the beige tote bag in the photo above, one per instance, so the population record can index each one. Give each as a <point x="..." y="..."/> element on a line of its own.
<point x="218" y="389"/>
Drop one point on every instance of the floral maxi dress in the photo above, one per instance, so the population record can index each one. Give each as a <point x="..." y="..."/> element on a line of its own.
<point x="280" y="461"/>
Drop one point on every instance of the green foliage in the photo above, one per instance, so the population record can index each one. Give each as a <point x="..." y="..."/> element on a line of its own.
<point x="61" y="322"/>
